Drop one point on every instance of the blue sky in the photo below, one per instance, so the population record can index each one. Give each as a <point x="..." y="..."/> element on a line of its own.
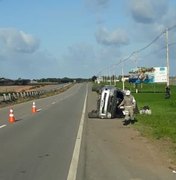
<point x="81" y="38"/>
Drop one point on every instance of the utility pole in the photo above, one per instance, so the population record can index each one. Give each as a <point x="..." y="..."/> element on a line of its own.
<point x="123" y="80"/>
<point x="135" y="59"/>
<point x="114" y="76"/>
<point x="167" y="57"/>
<point x="109" y="74"/>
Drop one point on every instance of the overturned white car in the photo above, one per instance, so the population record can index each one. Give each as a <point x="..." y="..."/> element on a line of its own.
<point x="107" y="105"/>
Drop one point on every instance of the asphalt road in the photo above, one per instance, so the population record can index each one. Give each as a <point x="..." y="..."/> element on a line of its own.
<point x="39" y="146"/>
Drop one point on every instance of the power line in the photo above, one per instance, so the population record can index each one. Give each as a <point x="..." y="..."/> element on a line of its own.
<point x="145" y="47"/>
<point x="158" y="50"/>
<point x="152" y="42"/>
<point x="142" y="49"/>
<point x="172" y="27"/>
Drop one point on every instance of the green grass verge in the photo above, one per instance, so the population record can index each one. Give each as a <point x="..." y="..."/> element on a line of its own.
<point x="161" y="124"/>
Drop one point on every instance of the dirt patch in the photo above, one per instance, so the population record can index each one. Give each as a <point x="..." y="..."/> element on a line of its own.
<point x="168" y="151"/>
<point x="4" y="89"/>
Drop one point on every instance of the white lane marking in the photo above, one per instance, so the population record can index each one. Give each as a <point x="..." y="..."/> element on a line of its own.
<point x="38" y="110"/>
<point x="4" y="125"/>
<point x="75" y="158"/>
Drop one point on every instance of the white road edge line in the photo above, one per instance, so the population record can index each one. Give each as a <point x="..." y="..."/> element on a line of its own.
<point x="38" y="110"/>
<point x="75" y="158"/>
<point x="4" y="125"/>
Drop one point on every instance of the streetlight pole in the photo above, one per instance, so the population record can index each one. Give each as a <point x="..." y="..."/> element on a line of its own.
<point x="123" y="80"/>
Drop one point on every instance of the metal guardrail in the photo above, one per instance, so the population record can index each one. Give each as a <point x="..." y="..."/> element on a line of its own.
<point x="12" y="97"/>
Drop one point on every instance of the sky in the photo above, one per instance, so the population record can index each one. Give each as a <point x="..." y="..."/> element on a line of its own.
<point x="83" y="38"/>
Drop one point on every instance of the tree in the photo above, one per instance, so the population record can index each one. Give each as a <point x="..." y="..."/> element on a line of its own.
<point x="94" y="78"/>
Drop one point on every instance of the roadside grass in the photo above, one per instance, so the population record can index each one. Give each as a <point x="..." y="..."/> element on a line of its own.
<point x="161" y="124"/>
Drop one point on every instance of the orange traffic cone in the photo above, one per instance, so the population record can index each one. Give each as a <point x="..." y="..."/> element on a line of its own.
<point x="34" y="109"/>
<point x="11" y="116"/>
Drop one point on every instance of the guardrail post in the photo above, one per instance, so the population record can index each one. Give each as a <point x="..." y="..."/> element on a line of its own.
<point x="4" y="97"/>
<point x="10" y="97"/>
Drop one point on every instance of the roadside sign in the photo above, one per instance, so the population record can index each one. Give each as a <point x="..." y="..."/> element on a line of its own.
<point x="148" y="75"/>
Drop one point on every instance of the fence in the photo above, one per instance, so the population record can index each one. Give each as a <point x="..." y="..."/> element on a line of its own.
<point x="15" y="96"/>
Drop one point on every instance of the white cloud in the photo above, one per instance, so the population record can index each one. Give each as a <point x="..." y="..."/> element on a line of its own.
<point x="25" y="65"/>
<point x="97" y="5"/>
<point x="79" y="58"/>
<point x="117" y="37"/>
<point x="148" y="11"/>
<point x="86" y="60"/>
<point x="18" y="41"/>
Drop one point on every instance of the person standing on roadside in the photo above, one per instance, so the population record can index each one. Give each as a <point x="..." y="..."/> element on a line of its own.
<point x="167" y="95"/>
<point x="129" y="104"/>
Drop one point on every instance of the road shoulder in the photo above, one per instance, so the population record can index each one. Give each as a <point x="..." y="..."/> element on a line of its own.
<point x="113" y="151"/>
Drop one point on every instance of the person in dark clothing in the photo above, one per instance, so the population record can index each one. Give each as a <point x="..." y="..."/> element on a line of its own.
<point x="168" y="93"/>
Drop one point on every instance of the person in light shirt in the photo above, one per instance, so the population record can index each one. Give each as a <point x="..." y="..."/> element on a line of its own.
<point x="129" y="104"/>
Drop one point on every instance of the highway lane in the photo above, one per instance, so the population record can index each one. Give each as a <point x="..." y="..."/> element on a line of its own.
<point x="40" y="146"/>
<point x="24" y="109"/>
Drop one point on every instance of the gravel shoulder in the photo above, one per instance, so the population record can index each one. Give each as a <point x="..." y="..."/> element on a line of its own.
<point x="111" y="151"/>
